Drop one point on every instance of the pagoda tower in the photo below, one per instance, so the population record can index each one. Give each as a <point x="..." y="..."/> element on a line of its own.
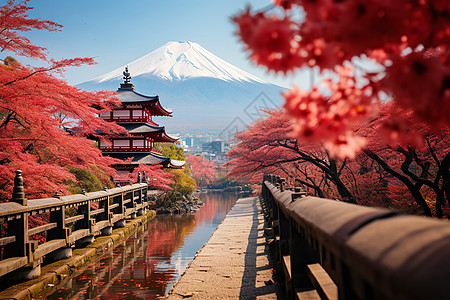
<point x="135" y="115"/>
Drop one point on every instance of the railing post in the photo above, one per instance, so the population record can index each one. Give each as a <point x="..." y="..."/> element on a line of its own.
<point x="139" y="178"/>
<point x="282" y="184"/>
<point x="121" y="204"/>
<point x="105" y="215"/>
<point x="297" y="193"/>
<point x="133" y="203"/>
<point x="58" y="217"/>
<point x="18" y="194"/>
<point x="302" y="255"/>
<point x="85" y="210"/>
<point x="264" y="200"/>
<point x="275" y="216"/>
<point x="139" y="200"/>
<point x="110" y="202"/>
<point x="284" y="250"/>
<point x="145" y="198"/>
<point x="18" y="227"/>
<point x="119" y="210"/>
<point x="129" y="199"/>
<point x="272" y="208"/>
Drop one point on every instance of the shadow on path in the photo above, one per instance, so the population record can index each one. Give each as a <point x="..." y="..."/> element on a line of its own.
<point x="257" y="247"/>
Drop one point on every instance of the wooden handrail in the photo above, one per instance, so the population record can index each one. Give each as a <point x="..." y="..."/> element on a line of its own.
<point x="9" y="209"/>
<point x="97" y="211"/>
<point x="86" y="221"/>
<point x="345" y="251"/>
<point x="73" y="219"/>
<point x="7" y="240"/>
<point x="41" y="228"/>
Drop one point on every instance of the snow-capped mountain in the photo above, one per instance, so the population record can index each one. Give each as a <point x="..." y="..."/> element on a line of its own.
<point x="181" y="61"/>
<point x="205" y="91"/>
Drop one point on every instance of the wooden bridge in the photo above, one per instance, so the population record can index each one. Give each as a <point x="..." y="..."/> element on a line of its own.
<point x="62" y="232"/>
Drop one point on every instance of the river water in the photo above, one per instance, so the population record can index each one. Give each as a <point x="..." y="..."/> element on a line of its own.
<point x="149" y="263"/>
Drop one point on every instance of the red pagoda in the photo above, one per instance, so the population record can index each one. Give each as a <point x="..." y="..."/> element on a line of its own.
<point x="135" y="115"/>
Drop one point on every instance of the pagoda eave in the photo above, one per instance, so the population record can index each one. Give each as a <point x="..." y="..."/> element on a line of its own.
<point x="146" y="159"/>
<point x="142" y="129"/>
<point x="163" y="139"/>
<point x="129" y="97"/>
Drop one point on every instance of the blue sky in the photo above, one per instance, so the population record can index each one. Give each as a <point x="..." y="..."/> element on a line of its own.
<point x="117" y="32"/>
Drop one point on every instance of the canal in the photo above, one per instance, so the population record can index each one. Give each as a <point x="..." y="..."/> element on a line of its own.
<point x="149" y="263"/>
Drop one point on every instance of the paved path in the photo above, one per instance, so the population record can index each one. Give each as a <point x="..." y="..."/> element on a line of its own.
<point x="234" y="263"/>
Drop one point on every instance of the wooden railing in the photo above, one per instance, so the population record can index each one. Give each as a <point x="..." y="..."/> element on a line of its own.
<point x="130" y="149"/>
<point x="327" y="249"/>
<point x="114" y="207"/>
<point x="130" y="119"/>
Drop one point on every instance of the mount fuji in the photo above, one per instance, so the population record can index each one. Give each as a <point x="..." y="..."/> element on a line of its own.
<point x="206" y="93"/>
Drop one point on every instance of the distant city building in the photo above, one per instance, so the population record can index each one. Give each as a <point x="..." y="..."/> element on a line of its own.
<point x="206" y="147"/>
<point x="215" y="151"/>
<point x="218" y="147"/>
<point x="189" y="141"/>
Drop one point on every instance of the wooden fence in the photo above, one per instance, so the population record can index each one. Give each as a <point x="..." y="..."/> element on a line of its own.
<point x="114" y="206"/>
<point x="328" y="249"/>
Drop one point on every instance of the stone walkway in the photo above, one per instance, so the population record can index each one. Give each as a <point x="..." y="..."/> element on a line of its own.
<point x="234" y="264"/>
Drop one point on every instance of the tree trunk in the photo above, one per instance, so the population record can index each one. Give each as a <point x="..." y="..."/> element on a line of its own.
<point x="445" y="169"/>
<point x="414" y="190"/>
<point x="342" y="189"/>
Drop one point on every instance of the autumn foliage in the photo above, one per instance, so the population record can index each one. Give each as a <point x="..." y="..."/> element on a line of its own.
<point x="376" y="132"/>
<point x="203" y="171"/>
<point x="413" y="179"/>
<point x="421" y="168"/>
<point x="44" y="122"/>
<point x="407" y="39"/>
<point x="267" y="147"/>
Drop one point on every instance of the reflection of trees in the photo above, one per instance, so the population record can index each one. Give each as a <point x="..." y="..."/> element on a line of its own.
<point x="166" y="234"/>
<point x="104" y="279"/>
<point x="152" y="272"/>
<point x="133" y="270"/>
<point x="140" y="268"/>
<point x="216" y="207"/>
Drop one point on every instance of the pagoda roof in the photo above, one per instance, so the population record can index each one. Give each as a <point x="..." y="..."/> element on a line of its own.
<point x="177" y="164"/>
<point x="165" y="138"/>
<point x="157" y="133"/>
<point x="127" y="95"/>
<point x="142" y="128"/>
<point x="150" y="159"/>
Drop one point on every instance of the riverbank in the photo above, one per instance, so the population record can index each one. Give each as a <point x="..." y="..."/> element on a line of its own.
<point x="234" y="263"/>
<point x="174" y="202"/>
<point x="54" y="274"/>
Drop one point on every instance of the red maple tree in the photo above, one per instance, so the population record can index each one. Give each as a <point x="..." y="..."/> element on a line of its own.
<point x="413" y="179"/>
<point x="44" y="121"/>
<point x="422" y="165"/>
<point x="203" y="171"/>
<point x="399" y="148"/>
<point x="267" y="147"/>
<point x="156" y="177"/>
<point x="407" y="39"/>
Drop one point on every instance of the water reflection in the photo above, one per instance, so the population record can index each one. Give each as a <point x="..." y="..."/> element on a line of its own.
<point x="148" y="264"/>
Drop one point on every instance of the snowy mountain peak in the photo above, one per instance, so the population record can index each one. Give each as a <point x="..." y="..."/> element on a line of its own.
<point x="206" y="93"/>
<point x="177" y="61"/>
